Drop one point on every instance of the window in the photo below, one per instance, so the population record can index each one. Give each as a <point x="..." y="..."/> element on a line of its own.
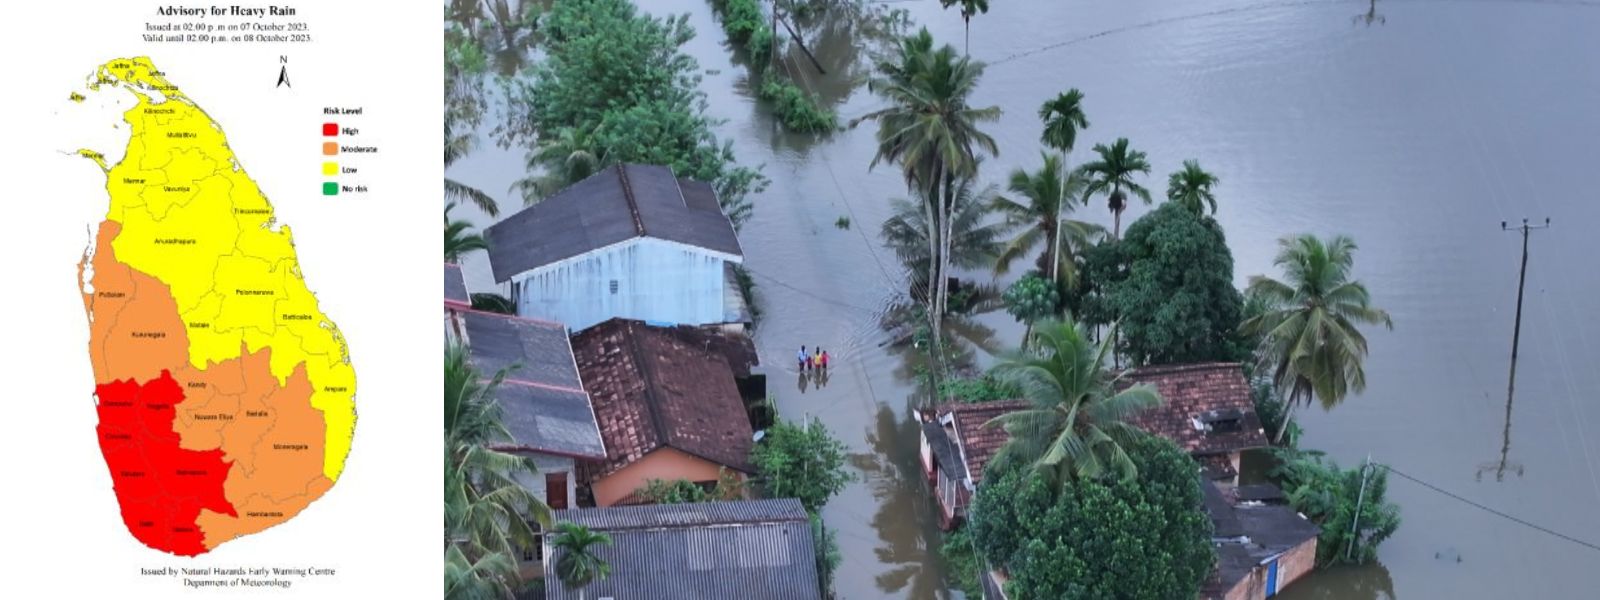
<point x="613" y="287"/>
<point x="1225" y="420"/>
<point x="555" y="490"/>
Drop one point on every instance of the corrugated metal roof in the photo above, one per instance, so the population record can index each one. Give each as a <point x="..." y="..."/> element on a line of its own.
<point x="719" y="551"/>
<point x="618" y="203"/>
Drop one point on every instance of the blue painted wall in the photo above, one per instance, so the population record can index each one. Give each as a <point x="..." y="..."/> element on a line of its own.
<point x="655" y="281"/>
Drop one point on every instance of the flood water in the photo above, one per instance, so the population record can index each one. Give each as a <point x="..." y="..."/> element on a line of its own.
<point x="1417" y="131"/>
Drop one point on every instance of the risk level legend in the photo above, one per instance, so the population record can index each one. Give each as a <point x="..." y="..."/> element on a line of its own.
<point x="344" y="150"/>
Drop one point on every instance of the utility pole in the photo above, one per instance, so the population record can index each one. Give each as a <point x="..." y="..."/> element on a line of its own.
<point x="1361" y="496"/>
<point x="1522" y="278"/>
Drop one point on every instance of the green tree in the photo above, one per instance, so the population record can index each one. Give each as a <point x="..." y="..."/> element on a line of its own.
<point x="1100" y="537"/>
<point x="1349" y="504"/>
<point x="1063" y="117"/>
<point x="1076" y="423"/>
<point x="1175" y="298"/>
<point x="619" y="80"/>
<point x="826" y="546"/>
<point x="1309" y="340"/>
<point x="566" y="157"/>
<point x="1191" y="187"/>
<point x="974" y="244"/>
<point x="968" y="9"/>
<point x="576" y="564"/>
<point x="931" y="131"/>
<point x="1031" y="299"/>
<point x="459" y="238"/>
<point x="1112" y="175"/>
<point x="1041" y="219"/>
<point x="486" y="512"/>
<point x="803" y="462"/>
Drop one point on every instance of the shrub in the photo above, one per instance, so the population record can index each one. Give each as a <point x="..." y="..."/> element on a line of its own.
<point x="794" y="108"/>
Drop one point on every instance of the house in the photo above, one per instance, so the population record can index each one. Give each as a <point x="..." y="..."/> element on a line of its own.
<point x="1207" y="411"/>
<point x="717" y="550"/>
<point x="1262" y="545"/>
<point x="667" y="409"/>
<point x="631" y="241"/>
<point x="542" y="402"/>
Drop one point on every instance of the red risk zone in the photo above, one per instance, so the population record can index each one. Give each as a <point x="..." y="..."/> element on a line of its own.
<point x="160" y="486"/>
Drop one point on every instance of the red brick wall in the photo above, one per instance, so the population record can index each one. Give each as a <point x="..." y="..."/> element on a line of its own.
<point x="1292" y="565"/>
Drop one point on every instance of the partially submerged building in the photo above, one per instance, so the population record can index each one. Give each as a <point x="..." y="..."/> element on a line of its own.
<point x="1207" y="411"/>
<point x="1262" y="544"/>
<point x="667" y="410"/>
<point x="716" y="550"/>
<point x="631" y="241"/>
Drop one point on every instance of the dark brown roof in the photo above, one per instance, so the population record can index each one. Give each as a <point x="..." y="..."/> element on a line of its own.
<point x="737" y="348"/>
<point x="1198" y="392"/>
<point x="651" y="390"/>
<point x="978" y="444"/>
<point x="618" y="203"/>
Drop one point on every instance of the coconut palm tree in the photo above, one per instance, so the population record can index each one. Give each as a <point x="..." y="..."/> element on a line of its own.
<point x="1112" y="175"/>
<point x="568" y="157"/>
<point x="1076" y="424"/>
<point x="459" y="238"/>
<point x="1063" y="117"/>
<point x="456" y="147"/>
<point x="974" y="244"/>
<point x="968" y="9"/>
<point x="1307" y="330"/>
<point x="932" y="132"/>
<point x="1042" y="200"/>
<point x="486" y="512"/>
<point x="576" y="564"/>
<point x="1191" y="188"/>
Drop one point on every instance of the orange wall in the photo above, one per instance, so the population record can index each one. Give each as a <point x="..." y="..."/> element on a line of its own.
<point x="665" y="464"/>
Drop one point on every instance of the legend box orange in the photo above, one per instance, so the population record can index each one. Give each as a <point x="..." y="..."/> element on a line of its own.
<point x="330" y="148"/>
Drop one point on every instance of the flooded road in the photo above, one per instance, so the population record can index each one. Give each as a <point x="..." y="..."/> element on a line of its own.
<point x="1416" y="129"/>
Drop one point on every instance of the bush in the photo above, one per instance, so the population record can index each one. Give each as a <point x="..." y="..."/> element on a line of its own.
<point x="1147" y="537"/>
<point x="1328" y="495"/>
<point x="803" y="462"/>
<point x="961" y="562"/>
<point x="796" y="109"/>
<point x="978" y="389"/>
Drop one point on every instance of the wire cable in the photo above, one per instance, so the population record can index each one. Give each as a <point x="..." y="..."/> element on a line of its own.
<point x="1503" y="515"/>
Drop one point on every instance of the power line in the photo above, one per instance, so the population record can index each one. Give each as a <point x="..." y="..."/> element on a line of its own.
<point x="1512" y="518"/>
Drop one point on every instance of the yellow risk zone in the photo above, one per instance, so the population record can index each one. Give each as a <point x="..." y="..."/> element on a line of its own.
<point x="192" y="218"/>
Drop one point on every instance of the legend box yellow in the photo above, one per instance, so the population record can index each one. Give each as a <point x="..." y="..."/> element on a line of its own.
<point x="330" y="168"/>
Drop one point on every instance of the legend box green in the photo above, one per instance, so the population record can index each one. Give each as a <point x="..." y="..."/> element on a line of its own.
<point x="330" y="189"/>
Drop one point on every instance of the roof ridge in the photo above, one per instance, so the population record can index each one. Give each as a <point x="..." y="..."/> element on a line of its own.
<point x="647" y="376"/>
<point x="627" y="195"/>
<point x="1183" y="367"/>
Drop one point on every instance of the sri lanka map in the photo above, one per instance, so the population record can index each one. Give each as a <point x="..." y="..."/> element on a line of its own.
<point x="225" y="397"/>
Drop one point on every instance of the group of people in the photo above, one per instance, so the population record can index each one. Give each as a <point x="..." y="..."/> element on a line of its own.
<point x="813" y="362"/>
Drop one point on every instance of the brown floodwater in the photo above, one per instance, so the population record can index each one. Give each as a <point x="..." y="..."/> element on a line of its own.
<point x="1416" y="128"/>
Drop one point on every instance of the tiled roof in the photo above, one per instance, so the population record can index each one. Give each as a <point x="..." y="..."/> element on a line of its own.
<point x="1191" y="392"/>
<point x="651" y="390"/>
<point x="455" y="286"/>
<point x="618" y="203"/>
<point x="978" y="444"/>
<point x="718" y="550"/>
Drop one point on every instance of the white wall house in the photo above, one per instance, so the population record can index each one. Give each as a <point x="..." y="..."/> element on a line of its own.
<point x="631" y="241"/>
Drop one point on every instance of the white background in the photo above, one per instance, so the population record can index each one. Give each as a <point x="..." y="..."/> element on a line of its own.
<point x="372" y="259"/>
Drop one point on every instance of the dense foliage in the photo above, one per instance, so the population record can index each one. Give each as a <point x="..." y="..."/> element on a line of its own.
<point x="800" y="461"/>
<point x="1175" y="298"/>
<point x="1098" y="537"/>
<point x="619" y="79"/>
<point x="1329" y="496"/>
<point x="986" y="388"/>
<point x="745" y="24"/>
<point x="961" y="562"/>
<point x="794" y="107"/>
<point x="683" y="491"/>
<point x="826" y="547"/>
